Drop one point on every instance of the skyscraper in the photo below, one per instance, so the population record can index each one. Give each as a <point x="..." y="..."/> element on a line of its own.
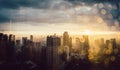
<point x="3" y="47"/>
<point x="5" y="38"/>
<point x="24" y="40"/>
<point x="85" y="46"/>
<point x="18" y="46"/>
<point x="70" y="42"/>
<point x="11" y="38"/>
<point x="1" y="35"/>
<point x="113" y="43"/>
<point x="53" y="42"/>
<point x="11" y="47"/>
<point x="31" y="38"/>
<point x="77" y="42"/>
<point x="65" y="39"/>
<point x="67" y="44"/>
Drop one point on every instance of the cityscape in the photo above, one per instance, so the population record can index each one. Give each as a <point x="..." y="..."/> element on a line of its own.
<point x="59" y="34"/>
<point x="60" y="52"/>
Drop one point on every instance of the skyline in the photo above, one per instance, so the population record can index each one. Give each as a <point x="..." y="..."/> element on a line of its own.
<point x="60" y="34"/>
<point x="85" y="32"/>
<point x="59" y="53"/>
<point x="42" y="37"/>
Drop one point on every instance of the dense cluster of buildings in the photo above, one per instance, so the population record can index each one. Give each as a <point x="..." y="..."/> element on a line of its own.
<point x="57" y="51"/>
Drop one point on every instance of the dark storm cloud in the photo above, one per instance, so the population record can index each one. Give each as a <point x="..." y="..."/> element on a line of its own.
<point x="7" y="5"/>
<point x="4" y="15"/>
<point x="15" y="4"/>
<point x="3" y="18"/>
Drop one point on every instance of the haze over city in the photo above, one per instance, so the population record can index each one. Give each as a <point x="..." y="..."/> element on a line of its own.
<point x="59" y="34"/>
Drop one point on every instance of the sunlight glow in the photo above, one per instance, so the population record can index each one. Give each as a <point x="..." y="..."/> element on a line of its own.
<point x="87" y="32"/>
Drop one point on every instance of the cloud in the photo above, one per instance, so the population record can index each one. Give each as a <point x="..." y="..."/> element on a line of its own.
<point x="60" y="11"/>
<point x="3" y="18"/>
<point x="92" y="1"/>
<point x="109" y="10"/>
<point x="6" y="6"/>
<point x="15" y="4"/>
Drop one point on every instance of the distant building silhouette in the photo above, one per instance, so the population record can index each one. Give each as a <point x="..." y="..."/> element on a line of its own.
<point x="11" y="48"/>
<point x="24" y="40"/>
<point x="18" y="46"/>
<point x="66" y="39"/>
<point x="53" y="42"/>
<point x="85" y="46"/>
<point x="3" y="47"/>
<point x="113" y="43"/>
<point x="67" y="42"/>
<point x="31" y="38"/>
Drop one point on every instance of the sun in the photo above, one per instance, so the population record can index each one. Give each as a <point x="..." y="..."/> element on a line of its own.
<point x="87" y="32"/>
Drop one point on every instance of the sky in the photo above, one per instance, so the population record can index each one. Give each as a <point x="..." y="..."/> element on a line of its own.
<point x="57" y="16"/>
